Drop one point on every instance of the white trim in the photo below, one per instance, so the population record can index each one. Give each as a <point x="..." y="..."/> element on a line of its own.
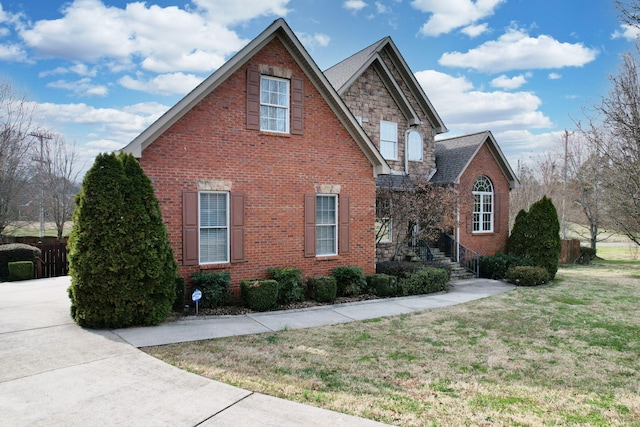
<point x="226" y="194"/>
<point x="335" y="225"/>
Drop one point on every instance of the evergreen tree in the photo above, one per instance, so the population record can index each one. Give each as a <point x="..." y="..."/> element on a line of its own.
<point x="121" y="265"/>
<point x="536" y="235"/>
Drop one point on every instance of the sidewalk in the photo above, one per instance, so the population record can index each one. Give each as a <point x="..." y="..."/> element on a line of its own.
<point x="196" y="328"/>
<point x="54" y="373"/>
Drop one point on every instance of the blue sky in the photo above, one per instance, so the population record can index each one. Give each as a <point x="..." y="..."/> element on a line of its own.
<point x="100" y="71"/>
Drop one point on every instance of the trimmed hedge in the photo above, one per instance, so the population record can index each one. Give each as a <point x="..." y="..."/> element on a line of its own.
<point x="399" y="269"/>
<point x="496" y="266"/>
<point x="21" y="270"/>
<point x="214" y="287"/>
<point x="290" y="287"/>
<point x="16" y="252"/>
<point x="322" y="289"/>
<point x="260" y="295"/>
<point x="527" y="276"/>
<point x="425" y="281"/>
<point x="382" y="285"/>
<point x="350" y="280"/>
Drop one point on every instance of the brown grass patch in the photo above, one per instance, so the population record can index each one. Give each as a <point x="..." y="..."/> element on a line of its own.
<point x="566" y="354"/>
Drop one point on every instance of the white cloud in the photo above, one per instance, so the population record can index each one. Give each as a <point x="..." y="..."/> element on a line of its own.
<point x="163" y="39"/>
<point x="448" y="15"/>
<point x="382" y="8"/>
<point x="475" y="30"/>
<point x="77" y="68"/>
<point x="12" y="53"/>
<point x="82" y="87"/>
<point x="516" y="50"/>
<point x="225" y="12"/>
<point x="525" y="146"/>
<point x="311" y="41"/>
<point x="468" y="110"/>
<point x="509" y="83"/>
<point x="354" y="5"/>
<point x="627" y="32"/>
<point x="554" y="76"/>
<point x="163" y="84"/>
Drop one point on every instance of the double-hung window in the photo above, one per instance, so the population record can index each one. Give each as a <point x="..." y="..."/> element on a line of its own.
<point x="389" y="140"/>
<point x="326" y="225"/>
<point x="213" y="212"/>
<point x="483" y="205"/>
<point x="274" y="104"/>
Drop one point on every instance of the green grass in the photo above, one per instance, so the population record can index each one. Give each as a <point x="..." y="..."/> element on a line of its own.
<point x="30" y="229"/>
<point x="565" y="354"/>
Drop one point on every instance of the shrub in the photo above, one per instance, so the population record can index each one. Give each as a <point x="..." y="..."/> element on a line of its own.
<point x="586" y="255"/>
<point x="214" y="287"/>
<point x="322" y="289"/>
<point x="20" y="270"/>
<point x="15" y="252"/>
<point x="382" y="285"/>
<point x="350" y="280"/>
<point x="260" y="295"/>
<point x="425" y="281"/>
<point x="496" y="266"/>
<point x="178" y="303"/>
<point x="536" y="235"/>
<point x="121" y="264"/>
<point x="399" y="269"/>
<point x="527" y="276"/>
<point x="289" y="284"/>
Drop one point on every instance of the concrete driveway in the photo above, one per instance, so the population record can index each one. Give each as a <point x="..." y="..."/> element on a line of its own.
<point x="54" y="373"/>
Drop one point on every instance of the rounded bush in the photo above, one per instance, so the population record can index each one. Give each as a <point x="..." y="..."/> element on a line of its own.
<point x="425" y="281"/>
<point x="21" y="270"/>
<point x="527" y="276"/>
<point x="350" y="280"/>
<point x="260" y="295"/>
<point x="496" y="266"/>
<point x="382" y="285"/>
<point x="13" y="252"/>
<point x="322" y="289"/>
<point x="214" y="287"/>
<point x="289" y="284"/>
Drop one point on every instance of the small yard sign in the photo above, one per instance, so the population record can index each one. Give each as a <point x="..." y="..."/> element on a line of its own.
<point x="195" y="296"/>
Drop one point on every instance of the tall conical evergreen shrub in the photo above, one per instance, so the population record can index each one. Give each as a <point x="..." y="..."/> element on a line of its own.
<point x="536" y="234"/>
<point x="120" y="261"/>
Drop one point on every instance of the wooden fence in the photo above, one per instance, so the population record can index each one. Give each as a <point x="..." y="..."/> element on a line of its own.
<point x="53" y="262"/>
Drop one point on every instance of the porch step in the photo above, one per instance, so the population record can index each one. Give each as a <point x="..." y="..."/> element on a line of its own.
<point x="458" y="272"/>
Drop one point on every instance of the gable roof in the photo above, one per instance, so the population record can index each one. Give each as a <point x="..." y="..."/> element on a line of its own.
<point x="278" y="29"/>
<point x="345" y="73"/>
<point x="453" y="156"/>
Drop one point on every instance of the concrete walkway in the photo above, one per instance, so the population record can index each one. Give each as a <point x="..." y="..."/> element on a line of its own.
<point x="54" y="373"/>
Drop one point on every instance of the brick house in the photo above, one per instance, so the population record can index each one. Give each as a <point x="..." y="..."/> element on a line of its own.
<point x="263" y="165"/>
<point x="476" y="167"/>
<point x="382" y="92"/>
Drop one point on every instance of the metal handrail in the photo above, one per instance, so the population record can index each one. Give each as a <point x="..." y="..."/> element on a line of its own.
<point x="464" y="256"/>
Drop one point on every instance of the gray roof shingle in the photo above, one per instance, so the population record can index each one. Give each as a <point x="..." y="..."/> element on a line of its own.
<point x="454" y="154"/>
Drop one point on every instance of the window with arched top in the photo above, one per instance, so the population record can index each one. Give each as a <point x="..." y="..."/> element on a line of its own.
<point x="414" y="146"/>
<point x="483" y="205"/>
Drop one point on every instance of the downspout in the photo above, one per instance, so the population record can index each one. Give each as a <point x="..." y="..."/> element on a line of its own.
<point x="406" y="151"/>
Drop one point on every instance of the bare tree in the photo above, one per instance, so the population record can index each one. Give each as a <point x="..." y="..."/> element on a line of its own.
<point x="586" y="169"/>
<point x="414" y="208"/>
<point x="15" y="144"/>
<point x="620" y="148"/>
<point x="60" y="174"/>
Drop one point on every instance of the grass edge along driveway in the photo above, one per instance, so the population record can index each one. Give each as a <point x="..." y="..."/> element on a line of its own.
<point x="565" y="354"/>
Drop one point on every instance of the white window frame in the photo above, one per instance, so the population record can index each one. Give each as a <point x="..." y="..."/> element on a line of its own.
<point x="389" y="140"/>
<point x="418" y="150"/>
<point x="482" y="221"/>
<point x="328" y="225"/>
<point x="216" y="227"/>
<point x="267" y="106"/>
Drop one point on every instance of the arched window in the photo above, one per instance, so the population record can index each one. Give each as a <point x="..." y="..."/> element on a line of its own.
<point x="483" y="205"/>
<point x="414" y="146"/>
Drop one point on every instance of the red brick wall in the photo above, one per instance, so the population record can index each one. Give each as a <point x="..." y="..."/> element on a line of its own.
<point x="485" y="243"/>
<point x="274" y="171"/>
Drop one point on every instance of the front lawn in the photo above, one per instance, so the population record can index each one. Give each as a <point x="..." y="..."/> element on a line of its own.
<point x="565" y="354"/>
